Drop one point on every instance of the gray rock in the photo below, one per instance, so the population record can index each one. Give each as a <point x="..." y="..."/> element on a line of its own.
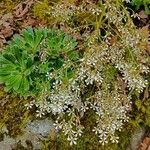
<point x="42" y="127"/>
<point x="35" y="131"/>
<point x="7" y="143"/>
<point x="34" y="138"/>
<point x="136" y="139"/>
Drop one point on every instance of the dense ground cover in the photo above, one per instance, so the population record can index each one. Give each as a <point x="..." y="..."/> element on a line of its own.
<point x="86" y="68"/>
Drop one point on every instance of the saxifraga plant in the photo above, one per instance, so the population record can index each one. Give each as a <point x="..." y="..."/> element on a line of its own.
<point x="109" y="73"/>
<point x="27" y="59"/>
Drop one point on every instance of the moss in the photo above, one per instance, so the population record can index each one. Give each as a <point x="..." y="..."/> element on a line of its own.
<point x="7" y="6"/>
<point x="19" y="146"/>
<point x="1" y="136"/>
<point x="13" y="114"/>
<point x="2" y="93"/>
<point x="40" y="9"/>
<point x="124" y="138"/>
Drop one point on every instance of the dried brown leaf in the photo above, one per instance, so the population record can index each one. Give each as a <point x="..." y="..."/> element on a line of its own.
<point x="7" y="17"/>
<point x="7" y="31"/>
<point x="142" y="14"/>
<point x="146" y="140"/>
<point x="23" y="8"/>
<point x="145" y="145"/>
<point x="29" y="22"/>
<point x="121" y="83"/>
<point x="146" y="34"/>
<point x="146" y="94"/>
<point x="113" y="40"/>
<point x="2" y="40"/>
<point x="145" y="31"/>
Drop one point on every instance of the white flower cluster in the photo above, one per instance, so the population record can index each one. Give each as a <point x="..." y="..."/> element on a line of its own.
<point x="57" y="102"/>
<point x="111" y="109"/>
<point x="132" y="77"/>
<point x="60" y="101"/>
<point x="130" y="40"/>
<point x="90" y="76"/>
<point x="114" y="15"/>
<point x="43" y="107"/>
<point x="70" y="129"/>
<point x="70" y="9"/>
<point x="127" y="1"/>
<point x="144" y="69"/>
<point x="110" y="103"/>
<point x="91" y="68"/>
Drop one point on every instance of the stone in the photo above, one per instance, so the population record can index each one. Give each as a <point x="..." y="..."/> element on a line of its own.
<point x="7" y="143"/>
<point x="35" y="132"/>
<point x="136" y="139"/>
<point x="42" y="127"/>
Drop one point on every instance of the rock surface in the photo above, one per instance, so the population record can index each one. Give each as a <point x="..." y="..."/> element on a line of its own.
<point x="136" y="139"/>
<point x="42" y="127"/>
<point x="34" y="132"/>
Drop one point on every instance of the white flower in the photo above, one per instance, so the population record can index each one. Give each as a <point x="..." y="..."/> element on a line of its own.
<point x="127" y="1"/>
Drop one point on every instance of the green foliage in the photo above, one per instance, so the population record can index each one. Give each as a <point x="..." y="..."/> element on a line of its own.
<point x="58" y="42"/>
<point x="145" y="3"/>
<point x="30" y="56"/>
<point x="15" y="70"/>
<point x="110" y="73"/>
<point x="140" y="110"/>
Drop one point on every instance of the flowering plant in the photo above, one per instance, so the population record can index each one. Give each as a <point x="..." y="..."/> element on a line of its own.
<point x="113" y="66"/>
<point x="30" y="57"/>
